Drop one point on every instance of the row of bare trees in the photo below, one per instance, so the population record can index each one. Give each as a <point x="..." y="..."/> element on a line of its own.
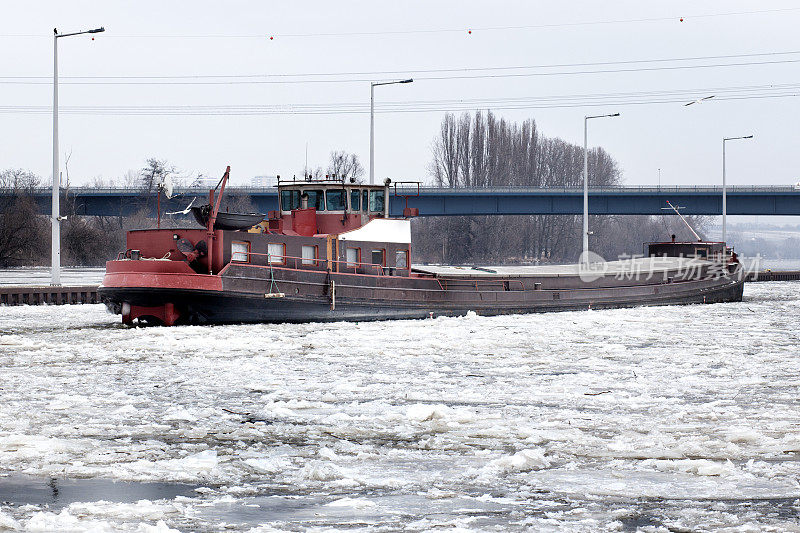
<point x="25" y="233"/>
<point x="482" y="150"/>
<point x="472" y="151"/>
<point x="341" y="165"/>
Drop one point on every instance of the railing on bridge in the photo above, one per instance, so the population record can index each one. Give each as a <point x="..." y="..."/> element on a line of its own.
<point x="85" y="189"/>
<point x="435" y="201"/>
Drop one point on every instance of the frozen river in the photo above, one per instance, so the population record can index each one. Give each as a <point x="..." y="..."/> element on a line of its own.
<point x="672" y="418"/>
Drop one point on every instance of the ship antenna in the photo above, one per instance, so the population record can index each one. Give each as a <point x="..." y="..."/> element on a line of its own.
<point x="677" y="211"/>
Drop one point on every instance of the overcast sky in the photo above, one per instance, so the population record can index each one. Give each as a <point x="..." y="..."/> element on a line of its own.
<point x="342" y="45"/>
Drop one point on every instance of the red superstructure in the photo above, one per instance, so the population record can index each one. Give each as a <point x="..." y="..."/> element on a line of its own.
<point x="306" y="233"/>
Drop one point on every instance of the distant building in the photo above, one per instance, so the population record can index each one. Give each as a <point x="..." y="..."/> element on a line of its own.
<point x="264" y="181"/>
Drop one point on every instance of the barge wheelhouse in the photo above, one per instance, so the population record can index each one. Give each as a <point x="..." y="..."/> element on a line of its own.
<point x="332" y="252"/>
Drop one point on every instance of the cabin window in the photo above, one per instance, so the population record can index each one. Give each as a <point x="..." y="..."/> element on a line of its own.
<point x="701" y="252"/>
<point x="378" y="257"/>
<point x="336" y="200"/>
<point x="355" y="200"/>
<point x="376" y="201"/>
<point x="309" y="254"/>
<point x="316" y="199"/>
<point x="290" y="200"/>
<point x="401" y="259"/>
<point x="365" y="200"/>
<point x="240" y="251"/>
<point x="276" y="252"/>
<point x="353" y="256"/>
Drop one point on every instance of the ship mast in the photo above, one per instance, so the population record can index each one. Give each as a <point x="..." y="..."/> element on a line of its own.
<point x="676" y="209"/>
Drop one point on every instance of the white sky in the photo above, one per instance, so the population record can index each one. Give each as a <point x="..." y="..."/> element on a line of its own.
<point x="147" y="38"/>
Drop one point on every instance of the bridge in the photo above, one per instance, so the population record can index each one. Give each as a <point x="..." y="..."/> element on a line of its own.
<point x="631" y="200"/>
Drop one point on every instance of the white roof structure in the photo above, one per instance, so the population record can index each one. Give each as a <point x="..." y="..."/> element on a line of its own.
<point x="381" y="230"/>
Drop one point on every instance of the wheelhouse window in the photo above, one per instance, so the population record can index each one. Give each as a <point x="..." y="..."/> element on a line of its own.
<point x="401" y="259"/>
<point x="309" y="255"/>
<point x="336" y="199"/>
<point x="353" y="256"/>
<point x="276" y="252"/>
<point x="355" y="200"/>
<point x="240" y="251"/>
<point x="376" y="201"/>
<point x="316" y="199"/>
<point x="379" y="257"/>
<point x="290" y="200"/>
<point x="365" y="200"/>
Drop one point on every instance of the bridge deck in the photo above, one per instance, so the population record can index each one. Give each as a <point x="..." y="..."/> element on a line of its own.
<point x="700" y="200"/>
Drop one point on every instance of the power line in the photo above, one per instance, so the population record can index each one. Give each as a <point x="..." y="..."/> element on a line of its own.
<point x="417" y="78"/>
<point x="542" y="26"/>
<point x="752" y="92"/>
<point x="417" y="31"/>
<point x="410" y="71"/>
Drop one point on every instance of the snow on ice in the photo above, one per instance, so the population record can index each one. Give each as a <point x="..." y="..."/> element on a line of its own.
<point x="652" y="418"/>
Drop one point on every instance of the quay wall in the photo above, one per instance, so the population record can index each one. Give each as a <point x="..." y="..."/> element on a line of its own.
<point x="774" y="275"/>
<point x="42" y="295"/>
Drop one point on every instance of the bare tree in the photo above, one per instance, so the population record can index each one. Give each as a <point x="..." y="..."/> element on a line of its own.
<point x="154" y="172"/>
<point x="19" y="179"/>
<point x="24" y="235"/>
<point x="67" y="157"/>
<point x="444" y="167"/>
<point x="344" y="166"/>
<point x="488" y="151"/>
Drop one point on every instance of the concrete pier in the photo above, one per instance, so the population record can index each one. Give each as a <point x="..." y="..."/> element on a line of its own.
<point x="41" y="295"/>
<point x="774" y="275"/>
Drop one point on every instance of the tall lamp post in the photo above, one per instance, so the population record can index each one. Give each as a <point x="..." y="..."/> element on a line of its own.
<point x="55" y="248"/>
<point x="586" y="182"/>
<point x="725" y="185"/>
<point x="372" y="86"/>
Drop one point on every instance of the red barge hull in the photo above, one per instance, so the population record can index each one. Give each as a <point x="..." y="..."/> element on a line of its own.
<point x="248" y="294"/>
<point x="332" y="252"/>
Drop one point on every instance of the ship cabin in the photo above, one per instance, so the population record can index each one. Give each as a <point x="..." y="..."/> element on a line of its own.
<point x="315" y="207"/>
<point x="330" y="225"/>
<point x="321" y="225"/>
<point x="710" y="251"/>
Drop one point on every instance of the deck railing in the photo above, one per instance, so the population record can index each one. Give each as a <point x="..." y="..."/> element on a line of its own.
<point x="299" y="262"/>
<point x="504" y="284"/>
<point x="380" y="270"/>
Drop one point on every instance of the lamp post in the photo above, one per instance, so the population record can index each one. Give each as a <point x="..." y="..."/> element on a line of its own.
<point x="586" y="182"/>
<point x="725" y="185"/>
<point x="372" y="86"/>
<point x="55" y="247"/>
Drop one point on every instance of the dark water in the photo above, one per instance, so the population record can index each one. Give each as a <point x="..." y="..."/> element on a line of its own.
<point x="58" y="493"/>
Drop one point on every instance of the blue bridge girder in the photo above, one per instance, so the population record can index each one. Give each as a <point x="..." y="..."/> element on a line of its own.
<point x="742" y="200"/>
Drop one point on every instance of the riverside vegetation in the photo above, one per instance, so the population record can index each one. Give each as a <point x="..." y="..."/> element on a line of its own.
<point x="479" y="150"/>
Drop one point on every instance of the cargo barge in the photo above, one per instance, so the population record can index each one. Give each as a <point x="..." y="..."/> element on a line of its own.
<point x="332" y="252"/>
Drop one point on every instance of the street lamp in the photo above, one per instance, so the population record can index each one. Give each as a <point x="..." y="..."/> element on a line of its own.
<point x="586" y="182"/>
<point x="372" y="86"/>
<point x="725" y="186"/>
<point x="55" y="247"/>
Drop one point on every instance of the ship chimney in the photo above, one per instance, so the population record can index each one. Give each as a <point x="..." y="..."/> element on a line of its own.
<point x="386" y="197"/>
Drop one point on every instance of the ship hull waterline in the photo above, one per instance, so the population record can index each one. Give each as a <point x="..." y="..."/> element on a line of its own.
<point x="197" y="306"/>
